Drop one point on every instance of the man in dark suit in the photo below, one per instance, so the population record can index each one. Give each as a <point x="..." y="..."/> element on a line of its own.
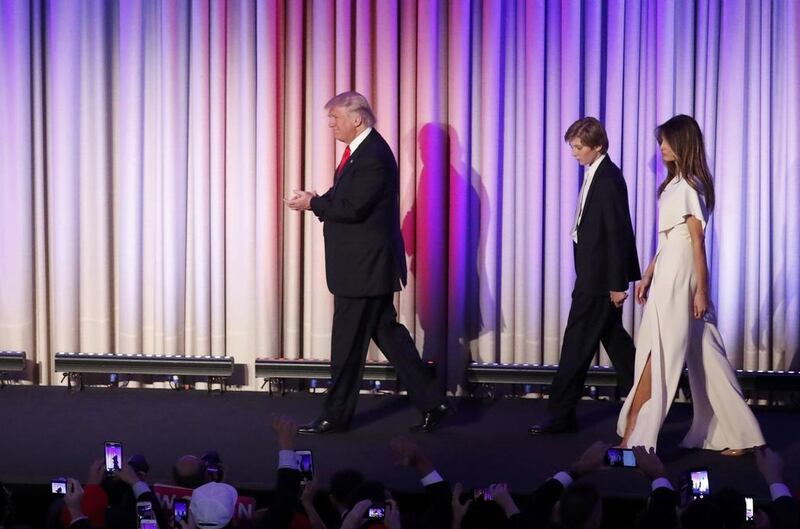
<point x="365" y="265"/>
<point x="605" y="262"/>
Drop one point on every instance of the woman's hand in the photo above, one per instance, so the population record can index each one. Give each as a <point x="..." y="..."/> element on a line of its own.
<point x="642" y="288"/>
<point x="700" y="304"/>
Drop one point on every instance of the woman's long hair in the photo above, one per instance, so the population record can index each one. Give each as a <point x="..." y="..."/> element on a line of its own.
<point x="683" y="134"/>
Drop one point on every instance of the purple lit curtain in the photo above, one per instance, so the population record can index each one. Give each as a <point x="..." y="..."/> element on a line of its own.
<point x="145" y="148"/>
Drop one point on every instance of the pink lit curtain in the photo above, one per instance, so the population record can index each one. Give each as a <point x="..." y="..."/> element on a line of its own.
<point x="146" y="146"/>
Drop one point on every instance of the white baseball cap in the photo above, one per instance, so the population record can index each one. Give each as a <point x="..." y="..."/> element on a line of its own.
<point x="212" y="505"/>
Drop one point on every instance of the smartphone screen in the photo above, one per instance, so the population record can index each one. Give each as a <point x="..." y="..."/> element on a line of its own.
<point x="376" y="512"/>
<point x="305" y="463"/>
<point x="58" y="486"/>
<point x="148" y="524"/>
<point x="748" y="509"/>
<point x="620" y="457"/>
<point x="180" y="510"/>
<point x="700" y="484"/>
<point x="113" y="456"/>
<point x="483" y="494"/>
<point x="144" y="511"/>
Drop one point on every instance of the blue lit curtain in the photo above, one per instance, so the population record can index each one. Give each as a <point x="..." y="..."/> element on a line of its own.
<point x="145" y="148"/>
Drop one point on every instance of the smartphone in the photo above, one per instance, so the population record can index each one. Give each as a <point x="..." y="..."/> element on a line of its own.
<point x="305" y="463"/>
<point x="113" y="456"/>
<point x="483" y="494"/>
<point x="377" y="511"/>
<point x="620" y="457"/>
<point x="180" y="510"/>
<point x="58" y="486"/>
<point x="144" y="510"/>
<point x="700" y="484"/>
<point x="749" y="510"/>
<point x="146" y="516"/>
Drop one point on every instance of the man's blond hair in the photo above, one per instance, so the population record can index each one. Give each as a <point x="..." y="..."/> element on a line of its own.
<point x="353" y="102"/>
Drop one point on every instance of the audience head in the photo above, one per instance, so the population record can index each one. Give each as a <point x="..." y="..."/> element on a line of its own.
<point x="580" y="507"/>
<point x="369" y="490"/>
<point x="732" y="507"/>
<point x="702" y="514"/>
<point x="213" y="465"/>
<point x="139" y="463"/>
<point x="343" y="484"/>
<point x="189" y="471"/>
<point x="483" y="515"/>
<point x="213" y="505"/>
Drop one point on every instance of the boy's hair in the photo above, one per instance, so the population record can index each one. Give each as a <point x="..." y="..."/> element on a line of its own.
<point x="591" y="133"/>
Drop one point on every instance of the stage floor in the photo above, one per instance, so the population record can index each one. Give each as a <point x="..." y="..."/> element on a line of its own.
<point x="50" y="432"/>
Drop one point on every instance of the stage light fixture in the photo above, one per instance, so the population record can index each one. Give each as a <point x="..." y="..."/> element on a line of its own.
<point x="215" y="368"/>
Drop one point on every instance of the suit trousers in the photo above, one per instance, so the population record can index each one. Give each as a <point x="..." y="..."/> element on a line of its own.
<point x="355" y="322"/>
<point x="592" y="319"/>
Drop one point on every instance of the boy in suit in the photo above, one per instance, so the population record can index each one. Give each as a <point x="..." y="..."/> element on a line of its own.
<point x="605" y="263"/>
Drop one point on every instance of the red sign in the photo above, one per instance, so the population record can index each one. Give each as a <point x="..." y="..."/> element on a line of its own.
<point x="166" y="494"/>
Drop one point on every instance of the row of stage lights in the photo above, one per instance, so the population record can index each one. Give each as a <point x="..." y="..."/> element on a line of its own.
<point x="220" y="368"/>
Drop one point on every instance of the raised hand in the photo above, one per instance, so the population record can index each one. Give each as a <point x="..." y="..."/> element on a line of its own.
<point x="355" y="517"/>
<point x="96" y="473"/>
<point x="770" y="465"/>
<point x="591" y="460"/>
<point x="286" y="431"/>
<point x="649" y="463"/>
<point x="459" y="509"/>
<point x="74" y="497"/>
<point x="502" y="496"/>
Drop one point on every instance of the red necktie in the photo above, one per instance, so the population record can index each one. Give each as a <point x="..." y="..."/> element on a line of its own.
<point x="345" y="157"/>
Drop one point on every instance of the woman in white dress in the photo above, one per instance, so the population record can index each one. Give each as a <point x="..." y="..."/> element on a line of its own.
<point x="679" y="322"/>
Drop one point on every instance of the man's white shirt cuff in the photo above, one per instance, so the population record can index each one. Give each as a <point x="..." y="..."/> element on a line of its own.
<point x="564" y="478"/>
<point x="779" y="490"/>
<point x="430" y="479"/>
<point x="288" y="459"/>
<point x="139" y="488"/>
<point x="660" y="483"/>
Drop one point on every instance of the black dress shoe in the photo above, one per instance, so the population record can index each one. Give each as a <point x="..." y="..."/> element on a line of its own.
<point x="319" y="427"/>
<point x="432" y="418"/>
<point x="553" y="428"/>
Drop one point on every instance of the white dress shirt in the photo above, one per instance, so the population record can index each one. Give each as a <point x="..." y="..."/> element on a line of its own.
<point x="588" y="176"/>
<point x="358" y="139"/>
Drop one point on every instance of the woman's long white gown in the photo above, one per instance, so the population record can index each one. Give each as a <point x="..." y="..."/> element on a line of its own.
<point x="670" y="336"/>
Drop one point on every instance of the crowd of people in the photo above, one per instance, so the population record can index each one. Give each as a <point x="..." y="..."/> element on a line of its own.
<point x="349" y="501"/>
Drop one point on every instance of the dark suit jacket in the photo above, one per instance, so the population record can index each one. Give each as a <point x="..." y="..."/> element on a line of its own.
<point x="281" y="510"/>
<point x="784" y="513"/>
<point x="605" y="256"/>
<point x="364" y="253"/>
<point x="439" y="510"/>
